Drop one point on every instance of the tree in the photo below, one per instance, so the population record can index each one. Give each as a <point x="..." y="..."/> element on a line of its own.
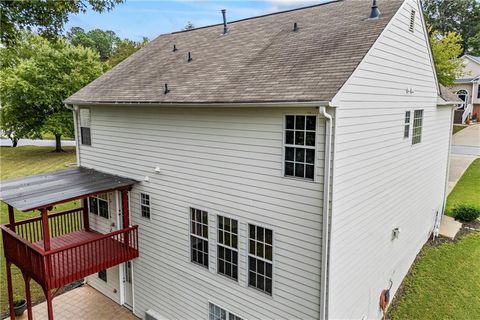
<point x="47" y="17"/>
<point x="104" y="42"/>
<point x="446" y="49"/>
<point x="124" y="49"/>
<point x="189" y="26"/>
<point x="473" y="45"/>
<point x="460" y="16"/>
<point x="34" y="84"/>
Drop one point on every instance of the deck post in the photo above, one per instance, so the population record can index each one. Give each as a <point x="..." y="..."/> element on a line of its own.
<point x="86" y="221"/>
<point x="48" y="295"/>
<point x="11" y="218"/>
<point x="28" y="296"/>
<point x="126" y="218"/>
<point x="46" y="232"/>
<point x="10" y="289"/>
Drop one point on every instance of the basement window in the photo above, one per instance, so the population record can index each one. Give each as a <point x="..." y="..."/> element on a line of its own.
<point x="98" y="205"/>
<point x="217" y="313"/>
<point x="417" y="126"/>
<point x="300" y="142"/>
<point x="227" y="247"/>
<point x="103" y="275"/>
<point x="199" y="237"/>
<point x="85" y="137"/>
<point x="145" y="205"/>
<point x="412" y="21"/>
<point x="260" y="258"/>
<point x="406" y="130"/>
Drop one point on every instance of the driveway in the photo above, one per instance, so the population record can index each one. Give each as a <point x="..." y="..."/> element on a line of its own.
<point x="467" y="141"/>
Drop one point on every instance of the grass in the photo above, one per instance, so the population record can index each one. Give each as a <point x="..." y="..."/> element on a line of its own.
<point x="458" y="127"/>
<point x="444" y="282"/>
<point x="467" y="190"/>
<point x="24" y="161"/>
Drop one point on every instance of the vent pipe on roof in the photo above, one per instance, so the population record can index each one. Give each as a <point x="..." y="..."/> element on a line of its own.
<point x="225" y="27"/>
<point x="166" y="89"/>
<point x="189" y="56"/>
<point x="175" y="48"/>
<point x="375" y="13"/>
<point x="295" y="26"/>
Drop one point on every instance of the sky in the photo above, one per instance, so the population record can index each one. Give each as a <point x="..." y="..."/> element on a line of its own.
<point x="135" y="19"/>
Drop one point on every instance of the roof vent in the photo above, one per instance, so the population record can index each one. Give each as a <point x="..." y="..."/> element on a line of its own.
<point x="174" y="48"/>
<point x="295" y="26"/>
<point x="225" y="26"/>
<point x="375" y="13"/>
<point x="189" y="56"/>
<point x="166" y="89"/>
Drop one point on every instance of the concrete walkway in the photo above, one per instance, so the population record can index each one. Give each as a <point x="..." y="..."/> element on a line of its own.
<point x="467" y="141"/>
<point x="84" y="303"/>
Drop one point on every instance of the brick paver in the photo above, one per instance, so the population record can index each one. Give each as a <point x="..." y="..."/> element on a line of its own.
<point x="84" y="303"/>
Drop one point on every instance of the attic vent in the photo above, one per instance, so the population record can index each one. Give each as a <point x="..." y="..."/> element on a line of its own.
<point x="412" y="21"/>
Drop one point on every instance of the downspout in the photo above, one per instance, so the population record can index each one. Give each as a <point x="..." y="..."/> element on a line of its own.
<point x="447" y="173"/>
<point x="325" y="214"/>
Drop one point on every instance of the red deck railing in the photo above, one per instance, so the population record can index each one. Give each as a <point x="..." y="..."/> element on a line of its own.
<point x="69" y="259"/>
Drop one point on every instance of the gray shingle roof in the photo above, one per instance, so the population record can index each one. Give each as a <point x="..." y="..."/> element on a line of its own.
<point x="260" y="60"/>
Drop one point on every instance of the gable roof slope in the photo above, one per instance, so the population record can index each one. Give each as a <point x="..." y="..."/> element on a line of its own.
<point x="261" y="59"/>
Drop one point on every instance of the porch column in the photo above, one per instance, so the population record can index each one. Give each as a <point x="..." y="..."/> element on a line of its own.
<point x="10" y="289"/>
<point x="46" y="232"/>
<point x="11" y="218"/>
<point x="86" y="221"/>
<point x="126" y="214"/>
<point x="28" y="296"/>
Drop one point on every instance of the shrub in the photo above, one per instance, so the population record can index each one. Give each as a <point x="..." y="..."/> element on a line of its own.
<point x="466" y="212"/>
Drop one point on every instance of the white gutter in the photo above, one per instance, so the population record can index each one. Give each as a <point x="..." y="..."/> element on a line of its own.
<point x="325" y="214"/>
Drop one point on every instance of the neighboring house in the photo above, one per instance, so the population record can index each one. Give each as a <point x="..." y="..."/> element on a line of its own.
<point x="287" y="166"/>
<point x="467" y="89"/>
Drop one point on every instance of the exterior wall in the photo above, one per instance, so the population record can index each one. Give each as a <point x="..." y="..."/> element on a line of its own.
<point x="381" y="181"/>
<point x="471" y="68"/>
<point x="227" y="161"/>
<point x="103" y="225"/>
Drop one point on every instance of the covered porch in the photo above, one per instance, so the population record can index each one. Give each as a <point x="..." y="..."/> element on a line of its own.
<point x="57" y="248"/>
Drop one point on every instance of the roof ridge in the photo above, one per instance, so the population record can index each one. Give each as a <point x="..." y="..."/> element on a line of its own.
<point x="260" y="16"/>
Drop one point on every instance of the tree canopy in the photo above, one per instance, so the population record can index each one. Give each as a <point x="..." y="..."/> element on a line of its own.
<point x="46" y="17"/>
<point x="460" y="16"/>
<point x="124" y="49"/>
<point x="446" y="49"/>
<point x="104" y="42"/>
<point x="35" y="77"/>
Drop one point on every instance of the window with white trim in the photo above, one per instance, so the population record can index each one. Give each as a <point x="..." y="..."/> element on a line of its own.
<point x="102" y="274"/>
<point x="217" y="313"/>
<point x="406" y="130"/>
<point x="145" y="205"/>
<point x="199" y="236"/>
<point x="85" y="135"/>
<point x="227" y="247"/>
<point x="300" y="141"/>
<point x="98" y="205"/>
<point x="260" y="257"/>
<point x="417" y="126"/>
<point x="411" y="27"/>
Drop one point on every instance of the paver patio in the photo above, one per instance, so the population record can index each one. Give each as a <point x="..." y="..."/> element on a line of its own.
<point x="84" y="303"/>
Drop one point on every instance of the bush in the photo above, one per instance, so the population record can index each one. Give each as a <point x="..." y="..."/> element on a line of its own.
<point x="466" y="212"/>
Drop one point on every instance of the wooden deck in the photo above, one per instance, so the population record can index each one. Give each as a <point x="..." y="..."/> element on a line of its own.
<point x="70" y="239"/>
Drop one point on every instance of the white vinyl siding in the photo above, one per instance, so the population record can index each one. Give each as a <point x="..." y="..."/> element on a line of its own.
<point x="381" y="182"/>
<point x="221" y="160"/>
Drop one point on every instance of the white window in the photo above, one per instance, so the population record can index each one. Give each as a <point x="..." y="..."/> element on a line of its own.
<point x="145" y="205"/>
<point x="412" y="21"/>
<point x="260" y="251"/>
<point x="85" y="137"/>
<point x="227" y="247"/>
<point x="300" y="136"/>
<point x="417" y="126"/>
<point x="217" y="313"/>
<point x="98" y="205"/>
<point x="199" y="236"/>
<point x="406" y="130"/>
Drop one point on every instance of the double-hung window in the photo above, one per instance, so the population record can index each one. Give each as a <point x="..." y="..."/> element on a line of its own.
<point x="406" y="129"/>
<point x="217" y="313"/>
<point x="98" y="205"/>
<point x="145" y="205"/>
<point x="260" y="252"/>
<point x="227" y="247"/>
<point x="417" y="126"/>
<point x="300" y="139"/>
<point x="85" y="136"/>
<point x="199" y="236"/>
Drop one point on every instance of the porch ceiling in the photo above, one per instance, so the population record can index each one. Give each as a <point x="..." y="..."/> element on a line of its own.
<point x="44" y="190"/>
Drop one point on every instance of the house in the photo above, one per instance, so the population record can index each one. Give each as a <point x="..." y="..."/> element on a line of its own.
<point x="467" y="89"/>
<point x="287" y="166"/>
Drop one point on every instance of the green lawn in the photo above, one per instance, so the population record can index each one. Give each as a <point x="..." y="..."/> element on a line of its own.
<point x="458" y="127"/>
<point x="23" y="161"/>
<point x="467" y="190"/>
<point x="444" y="282"/>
